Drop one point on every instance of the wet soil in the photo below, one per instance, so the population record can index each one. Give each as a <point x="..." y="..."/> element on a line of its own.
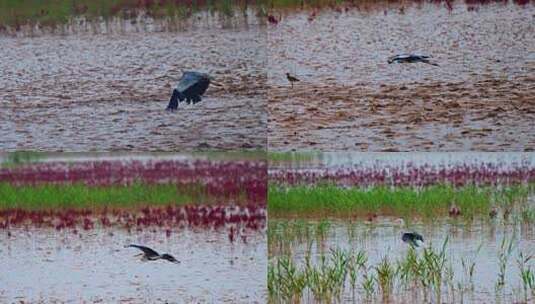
<point x="43" y="265"/>
<point x="350" y="98"/>
<point x="109" y="92"/>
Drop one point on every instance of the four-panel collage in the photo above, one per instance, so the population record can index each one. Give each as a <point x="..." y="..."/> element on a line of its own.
<point x="268" y="151"/>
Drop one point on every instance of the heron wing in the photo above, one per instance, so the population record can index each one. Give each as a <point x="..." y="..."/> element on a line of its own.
<point x="198" y="88"/>
<point x="193" y="82"/>
<point x="148" y="251"/>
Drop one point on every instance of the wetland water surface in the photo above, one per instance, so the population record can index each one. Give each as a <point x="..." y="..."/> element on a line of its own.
<point x="46" y="265"/>
<point x="382" y="238"/>
<point x="85" y="92"/>
<point x="349" y="97"/>
<point x="325" y="208"/>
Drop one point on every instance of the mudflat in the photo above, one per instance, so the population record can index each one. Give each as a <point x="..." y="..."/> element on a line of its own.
<point x="349" y="97"/>
<point x="84" y="92"/>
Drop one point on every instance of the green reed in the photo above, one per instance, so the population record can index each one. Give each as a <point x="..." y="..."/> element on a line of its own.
<point x="428" y="202"/>
<point x="506" y="250"/>
<point x="357" y="263"/>
<point x="282" y="235"/>
<point x="285" y="281"/>
<point x="50" y="196"/>
<point x="386" y="274"/>
<point x="469" y="267"/>
<point x="527" y="275"/>
<point x="331" y="274"/>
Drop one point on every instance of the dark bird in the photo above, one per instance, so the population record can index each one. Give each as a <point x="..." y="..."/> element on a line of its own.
<point x="413" y="238"/>
<point x="291" y="79"/>
<point x="151" y="255"/>
<point x="190" y="87"/>
<point x="493" y="212"/>
<point x="454" y="211"/>
<point x="273" y="20"/>
<point x="410" y="58"/>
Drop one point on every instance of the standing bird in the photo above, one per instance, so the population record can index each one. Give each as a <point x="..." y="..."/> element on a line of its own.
<point x="190" y="87"/>
<point x="413" y="238"/>
<point x="454" y="211"/>
<point x="410" y="58"/>
<point x="291" y="79"/>
<point x="493" y="212"/>
<point x="151" y="255"/>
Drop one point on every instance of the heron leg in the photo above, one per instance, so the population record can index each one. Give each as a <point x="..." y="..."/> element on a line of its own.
<point x="173" y="102"/>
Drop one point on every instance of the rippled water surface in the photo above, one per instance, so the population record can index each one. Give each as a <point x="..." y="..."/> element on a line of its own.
<point x="47" y="265"/>
<point x="84" y="92"/>
<point x="349" y="97"/>
<point x="346" y="160"/>
<point x="382" y="238"/>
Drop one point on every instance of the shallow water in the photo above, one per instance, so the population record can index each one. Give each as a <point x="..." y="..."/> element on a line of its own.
<point x="349" y="97"/>
<point x="109" y="92"/>
<point x="383" y="238"/>
<point x="68" y="157"/>
<point x="46" y="265"/>
<point x="340" y="160"/>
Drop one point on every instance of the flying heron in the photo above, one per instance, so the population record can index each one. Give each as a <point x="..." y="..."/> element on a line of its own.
<point x="413" y="238"/>
<point x="410" y="58"/>
<point x="291" y="79"/>
<point x="151" y="255"/>
<point x="190" y="87"/>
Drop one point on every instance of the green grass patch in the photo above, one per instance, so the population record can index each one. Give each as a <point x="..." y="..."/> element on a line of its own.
<point x="51" y="196"/>
<point x="331" y="200"/>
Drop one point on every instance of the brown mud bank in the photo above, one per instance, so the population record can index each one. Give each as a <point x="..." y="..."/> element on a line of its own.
<point x="490" y="115"/>
<point x="349" y="97"/>
<point x="109" y="92"/>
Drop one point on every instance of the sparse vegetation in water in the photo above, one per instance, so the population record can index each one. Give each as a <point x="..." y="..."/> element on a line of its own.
<point x="385" y="277"/>
<point x="527" y="275"/>
<point x="430" y="274"/>
<point x="425" y="275"/>
<point x="506" y="250"/>
<point x="356" y="265"/>
<point x="282" y="235"/>
<point x="528" y="215"/>
<point x="469" y="267"/>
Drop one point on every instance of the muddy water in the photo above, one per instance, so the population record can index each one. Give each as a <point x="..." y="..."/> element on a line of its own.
<point x="383" y="238"/>
<point x="93" y="267"/>
<point x="349" y="97"/>
<point x="108" y="92"/>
